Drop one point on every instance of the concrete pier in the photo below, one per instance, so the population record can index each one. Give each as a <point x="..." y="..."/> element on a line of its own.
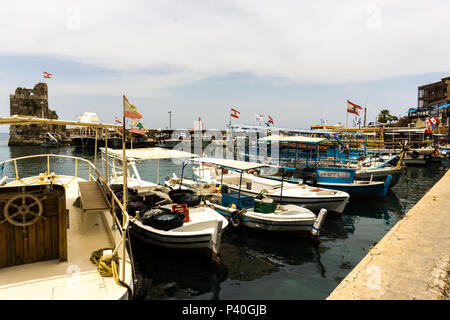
<point x="412" y="260"/>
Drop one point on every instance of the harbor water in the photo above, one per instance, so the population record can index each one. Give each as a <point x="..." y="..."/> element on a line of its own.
<point x="256" y="266"/>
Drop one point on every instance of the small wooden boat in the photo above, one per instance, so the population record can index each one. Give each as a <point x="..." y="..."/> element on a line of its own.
<point x="256" y="213"/>
<point x="266" y="215"/>
<point x="201" y="231"/>
<point x="344" y="179"/>
<point x="157" y="221"/>
<point x="282" y="192"/>
<point x="50" y="140"/>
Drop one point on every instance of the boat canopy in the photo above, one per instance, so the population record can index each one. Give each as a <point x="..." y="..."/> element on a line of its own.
<point x="25" y="120"/>
<point x="232" y="164"/>
<point x="149" y="154"/>
<point x="89" y="117"/>
<point x="301" y="139"/>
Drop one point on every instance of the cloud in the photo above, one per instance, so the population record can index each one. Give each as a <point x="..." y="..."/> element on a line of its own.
<point x="306" y="42"/>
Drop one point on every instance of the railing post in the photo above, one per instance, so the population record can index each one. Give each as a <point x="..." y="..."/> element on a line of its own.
<point x="15" y="169"/>
<point x="76" y="167"/>
<point x="48" y="164"/>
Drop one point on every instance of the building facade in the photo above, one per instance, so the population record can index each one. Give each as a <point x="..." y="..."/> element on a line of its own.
<point x="433" y="101"/>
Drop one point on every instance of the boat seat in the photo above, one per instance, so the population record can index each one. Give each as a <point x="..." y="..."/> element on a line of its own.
<point x="92" y="198"/>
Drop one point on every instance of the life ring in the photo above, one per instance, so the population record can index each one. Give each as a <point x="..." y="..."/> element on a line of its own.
<point x="414" y="154"/>
<point x="427" y="157"/>
<point x="442" y="141"/>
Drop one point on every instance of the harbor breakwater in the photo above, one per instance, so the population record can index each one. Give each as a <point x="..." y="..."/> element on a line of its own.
<point x="412" y="260"/>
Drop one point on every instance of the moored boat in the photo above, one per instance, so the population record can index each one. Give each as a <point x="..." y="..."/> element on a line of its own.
<point x="283" y="192"/>
<point x="161" y="221"/>
<point x="55" y="228"/>
<point x="344" y="179"/>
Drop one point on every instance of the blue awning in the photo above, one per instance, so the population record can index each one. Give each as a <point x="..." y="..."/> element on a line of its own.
<point x="412" y="110"/>
<point x="445" y="105"/>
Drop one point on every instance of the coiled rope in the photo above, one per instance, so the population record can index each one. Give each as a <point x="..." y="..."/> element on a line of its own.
<point x="107" y="266"/>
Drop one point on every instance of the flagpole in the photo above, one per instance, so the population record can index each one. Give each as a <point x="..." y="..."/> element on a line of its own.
<point x="124" y="166"/>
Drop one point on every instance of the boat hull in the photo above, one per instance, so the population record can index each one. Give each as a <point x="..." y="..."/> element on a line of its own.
<point x="258" y="221"/>
<point x="205" y="241"/>
<point x="380" y="175"/>
<point x="335" y="204"/>
<point x="377" y="189"/>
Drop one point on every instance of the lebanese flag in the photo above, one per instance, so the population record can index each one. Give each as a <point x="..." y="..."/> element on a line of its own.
<point x="353" y="108"/>
<point x="130" y="110"/>
<point x="270" y="119"/>
<point x="235" y="113"/>
<point x="137" y="127"/>
<point x="47" y="75"/>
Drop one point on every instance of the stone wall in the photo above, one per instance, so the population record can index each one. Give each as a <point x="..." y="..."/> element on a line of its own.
<point x="31" y="102"/>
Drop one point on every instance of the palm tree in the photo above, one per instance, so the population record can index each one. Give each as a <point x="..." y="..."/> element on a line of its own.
<point x="385" y="116"/>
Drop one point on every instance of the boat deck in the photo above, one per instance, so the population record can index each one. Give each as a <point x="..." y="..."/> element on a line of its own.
<point x="76" y="278"/>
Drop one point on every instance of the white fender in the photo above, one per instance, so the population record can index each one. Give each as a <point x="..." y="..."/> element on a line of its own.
<point x="318" y="223"/>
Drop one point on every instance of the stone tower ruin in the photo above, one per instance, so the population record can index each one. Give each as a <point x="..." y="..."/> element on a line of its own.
<point x="31" y="102"/>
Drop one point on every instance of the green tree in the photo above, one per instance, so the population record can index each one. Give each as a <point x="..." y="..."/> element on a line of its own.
<point x="403" y="122"/>
<point x="386" y="117"/>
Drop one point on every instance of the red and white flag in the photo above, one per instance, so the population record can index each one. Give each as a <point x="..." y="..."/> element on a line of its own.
<point x="353" y="108"/>
<point x="235" y="113"/>
<point x="270" y="119"/>
<point x="130" y="110"/>
<point x="47" y="75"/>
<point x="137" y="127"/>
<point x="116" y="120"/>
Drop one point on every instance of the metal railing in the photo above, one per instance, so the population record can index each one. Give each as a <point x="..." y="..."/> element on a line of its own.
<point x="114" y="200"/>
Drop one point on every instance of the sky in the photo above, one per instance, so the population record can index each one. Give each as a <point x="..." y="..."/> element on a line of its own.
<point x="297" y="61"/>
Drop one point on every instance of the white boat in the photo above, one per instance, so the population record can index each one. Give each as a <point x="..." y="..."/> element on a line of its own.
<point x="47" y="241"/>
<point x="289" y="218"/>
<point x="202" y="232"/>
<point x="263" y="215"/>
<point x="312" y="198"/>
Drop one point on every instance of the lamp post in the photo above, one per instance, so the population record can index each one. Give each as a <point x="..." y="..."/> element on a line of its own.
<point x="170" y="119"/>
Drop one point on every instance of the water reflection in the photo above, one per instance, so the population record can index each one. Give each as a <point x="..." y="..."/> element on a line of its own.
<point x="177" y="275"/>
<point x="250" y="255"/>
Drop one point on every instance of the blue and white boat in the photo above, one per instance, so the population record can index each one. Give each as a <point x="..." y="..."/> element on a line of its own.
<point x="344" y="179"/>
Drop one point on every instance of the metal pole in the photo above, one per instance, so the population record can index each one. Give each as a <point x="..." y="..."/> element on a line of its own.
<point x="95" y="154"/>
<point x="240" y="186"/>
<point x="170" y="119"/>
<point x="282" y="179"/>
<point x="182" y="173"/>
<point x="106" y="156"/>
<point x="125" y="189"/>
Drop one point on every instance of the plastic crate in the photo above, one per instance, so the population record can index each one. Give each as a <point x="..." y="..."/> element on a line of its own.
<point x="245" y="202"/>
<point x="263" y="207"/>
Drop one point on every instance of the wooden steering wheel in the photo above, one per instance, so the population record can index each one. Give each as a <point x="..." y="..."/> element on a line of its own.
<point x="24" y="205"/>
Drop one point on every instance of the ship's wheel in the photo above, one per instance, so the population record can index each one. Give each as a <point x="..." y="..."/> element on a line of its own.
<point x="23" y="210"/>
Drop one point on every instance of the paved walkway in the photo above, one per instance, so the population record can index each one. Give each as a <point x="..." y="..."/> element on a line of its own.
<point x="412" y="260"/>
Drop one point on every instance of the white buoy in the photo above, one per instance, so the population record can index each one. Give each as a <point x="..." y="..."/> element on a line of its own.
<point x="318" y="223"/>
